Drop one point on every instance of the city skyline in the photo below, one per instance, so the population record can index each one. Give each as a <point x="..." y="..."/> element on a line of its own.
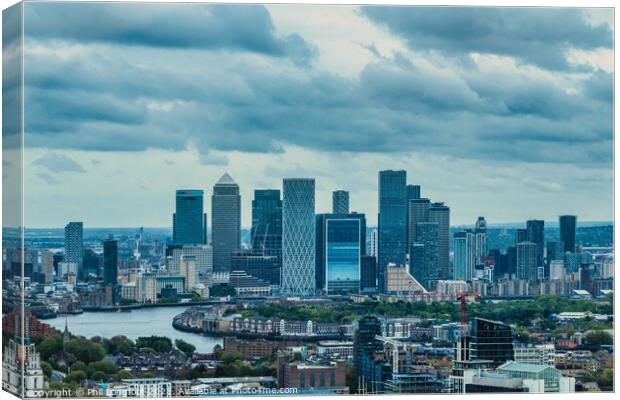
<point x="554" y="221"/>
<point x="473" y="120"/>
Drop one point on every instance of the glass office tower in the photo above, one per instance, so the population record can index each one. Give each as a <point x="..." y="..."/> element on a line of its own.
<point x="225" y="222"/>
<point x="342" y="255"/>
<point x="266" y="231"/>
<point x="568" y="230"/>
<point x="340" y="202"/>
<point x="298" y="237"/>
<point x="189" y="222"/>
<point x="392" y="221"/>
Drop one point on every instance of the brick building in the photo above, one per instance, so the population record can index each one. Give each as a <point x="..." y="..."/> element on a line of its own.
<point x="36" y="327"/>
<point x="259" y="348"/>
<point x="330" y="378"/>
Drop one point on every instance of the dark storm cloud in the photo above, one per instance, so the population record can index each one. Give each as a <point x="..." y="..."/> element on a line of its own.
<point x="600" y="86"/>
<point x="216" y="27"/>
<point x="392" y="107"/>
<point x="11" y="76"/>
<point x="540" y="36"/>
<point x="97" y="99"/>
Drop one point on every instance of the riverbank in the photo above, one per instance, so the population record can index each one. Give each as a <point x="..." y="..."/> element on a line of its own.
<point x="178" y="323"/>
<point x="134" y="324"/>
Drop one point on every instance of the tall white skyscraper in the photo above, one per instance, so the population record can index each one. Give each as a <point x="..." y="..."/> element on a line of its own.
<point x="298" y="236"/>
<point x="374" y="243"/>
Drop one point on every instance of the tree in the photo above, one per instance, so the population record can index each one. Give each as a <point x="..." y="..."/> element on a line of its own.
<point x="160" y="344"/>
<point x="85" y="350"/>
<point x="120" y="344"/>
<point x="75" y="377"/>
<point x="185" y="347"/>
<point x="606" y="379"/>
<point x="101" y="366"/>
<point x="123" y="374"/>
<point x="78" y="366"/>
<point x="599" y="337"/>
<point x="49" y="346"/>
<point x="47" y="368"/>
<point x="99" y="376"/>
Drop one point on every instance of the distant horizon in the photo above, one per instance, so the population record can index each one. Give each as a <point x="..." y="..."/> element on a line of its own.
<point x="496" y="225"/>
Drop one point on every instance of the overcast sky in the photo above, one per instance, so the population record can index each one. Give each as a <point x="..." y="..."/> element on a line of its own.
<point x="505" y="113"/>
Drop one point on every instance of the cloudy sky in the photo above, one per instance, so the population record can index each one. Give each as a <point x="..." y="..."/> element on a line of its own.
<point x="505" y="113"/>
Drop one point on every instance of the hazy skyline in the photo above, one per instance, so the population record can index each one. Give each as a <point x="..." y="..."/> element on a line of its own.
<point x="500" y="112"/>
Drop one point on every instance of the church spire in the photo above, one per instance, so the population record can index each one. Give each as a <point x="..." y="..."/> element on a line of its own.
<point x="66" y="335"/>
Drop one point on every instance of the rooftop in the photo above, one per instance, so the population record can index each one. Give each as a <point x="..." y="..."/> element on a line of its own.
<point x="517" y="366"/>
<point x="226" y="180"/>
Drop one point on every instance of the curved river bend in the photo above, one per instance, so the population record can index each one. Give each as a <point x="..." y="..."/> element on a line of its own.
<point x="138" y="322"/>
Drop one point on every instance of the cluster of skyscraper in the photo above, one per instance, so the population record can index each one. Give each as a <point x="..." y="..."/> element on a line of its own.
<point x="305" y="253"/>
<point x="412" y="231"/>
<point x="291" y="246"/>
<point x="526" y="260"/>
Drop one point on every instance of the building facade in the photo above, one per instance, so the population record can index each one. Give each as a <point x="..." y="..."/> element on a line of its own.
<point x="189" y="222"/>
<point x="423" y="261"/>
<point x="527" y="267"/>
<point x="340" y="244"/>
<point x="440" y="213"/>
<point x="266" y="233"/>
<point x="298" y="237"/>
<point x="225" y="222"/>
<point x="392" y="222"/>
<point x="536" y="234"/>
<point x="568" y="232"/>
<point x="340" y="202"/>
<point x="110" y="261"/>
<point x="74" y="245"/>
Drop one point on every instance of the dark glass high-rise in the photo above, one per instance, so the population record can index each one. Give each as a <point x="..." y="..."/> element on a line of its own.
<point x="568" y="231"/>
<point x="392" y="221"/>
<point x="189" y="225"/>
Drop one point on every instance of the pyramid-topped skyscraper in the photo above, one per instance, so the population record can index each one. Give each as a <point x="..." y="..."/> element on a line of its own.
<point x="226" y="222"/>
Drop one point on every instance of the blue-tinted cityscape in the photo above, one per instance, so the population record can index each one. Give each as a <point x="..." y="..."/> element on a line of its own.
<point x="321" y="302"/>
<point x="307" y="200"/>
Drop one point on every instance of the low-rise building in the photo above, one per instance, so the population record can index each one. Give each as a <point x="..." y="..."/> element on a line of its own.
<point x="335" y="348"/>
<point x="249" y="349"/>
<point x="306" y="377"/>
<point x="399" y="280"/>
<point x="491" y="382"/>
<point x="538" y="378"/>
<point x="147" y="387"/>
<point x="541" y="354"/>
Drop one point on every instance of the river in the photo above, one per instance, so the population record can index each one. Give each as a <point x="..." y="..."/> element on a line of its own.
<point x="139" y="322"/>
